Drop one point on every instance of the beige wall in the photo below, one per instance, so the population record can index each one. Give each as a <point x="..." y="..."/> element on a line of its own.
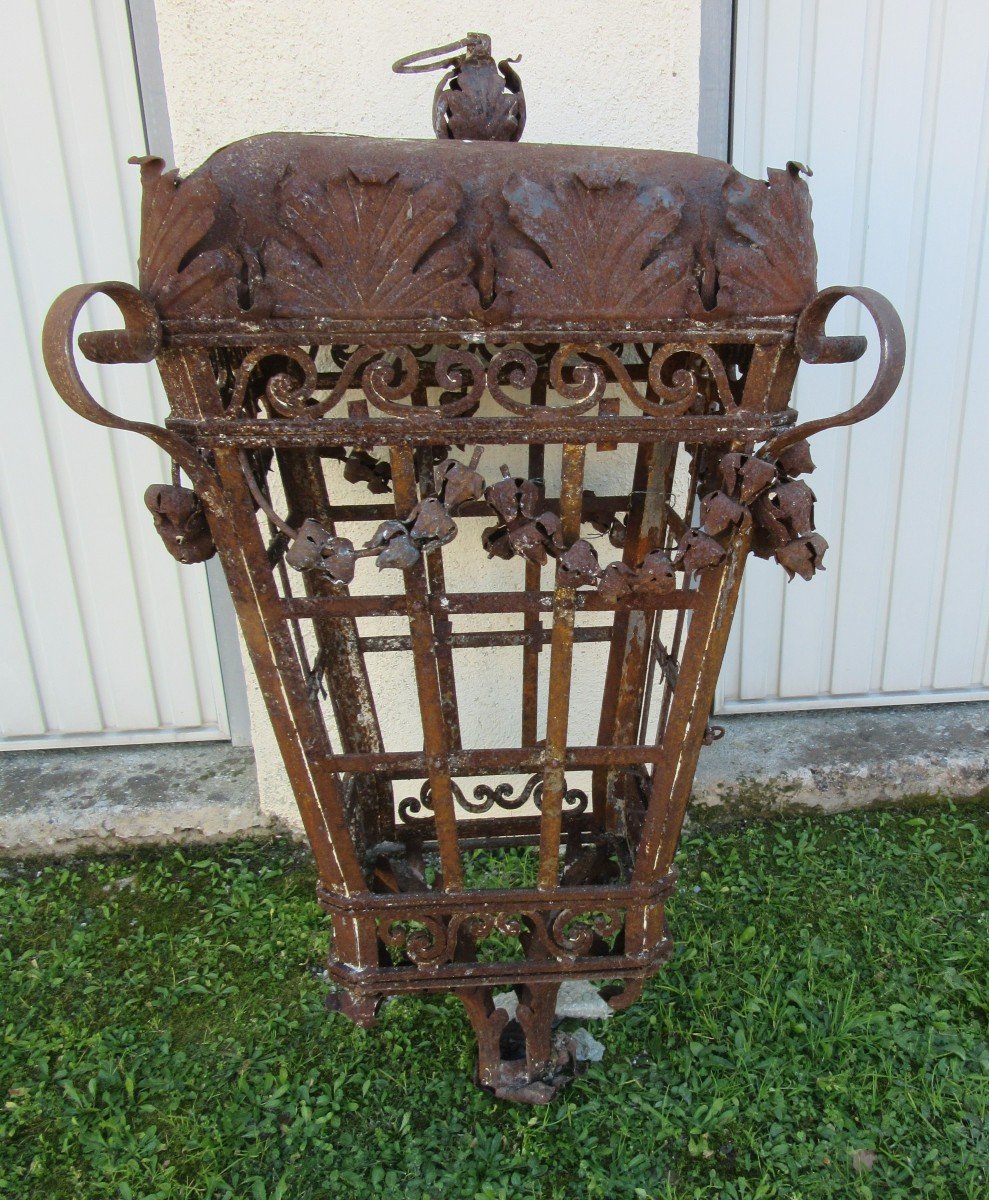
<point x="595" y="72"/>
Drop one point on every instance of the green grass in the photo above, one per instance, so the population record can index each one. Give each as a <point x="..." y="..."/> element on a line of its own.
<point x="162" y="1034"/>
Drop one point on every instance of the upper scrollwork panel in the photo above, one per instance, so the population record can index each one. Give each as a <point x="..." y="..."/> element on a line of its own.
<point x="767" y="262"/>
<point x="671" y="380"/>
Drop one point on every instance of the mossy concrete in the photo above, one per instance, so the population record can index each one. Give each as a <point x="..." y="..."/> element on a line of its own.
<point x="62" y="801"/>
<point x="845" y="758"/>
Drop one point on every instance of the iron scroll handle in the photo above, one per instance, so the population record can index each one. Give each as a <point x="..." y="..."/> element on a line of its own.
<point x="138" y="342"/>
<point x="815" y="346"/>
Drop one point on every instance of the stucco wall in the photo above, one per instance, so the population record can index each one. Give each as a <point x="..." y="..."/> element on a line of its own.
<point x="595" y="72"/>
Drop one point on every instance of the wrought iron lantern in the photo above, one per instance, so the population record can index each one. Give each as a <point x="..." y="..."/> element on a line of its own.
<point x="349" y="330"/>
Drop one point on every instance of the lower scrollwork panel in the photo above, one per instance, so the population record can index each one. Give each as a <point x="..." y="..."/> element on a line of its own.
<point x="562" y="934"/>
<point x="430" y="940"/>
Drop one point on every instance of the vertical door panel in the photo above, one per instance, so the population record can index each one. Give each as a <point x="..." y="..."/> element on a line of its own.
<point x="888" y="105"/>
<point x="109" y="640"/>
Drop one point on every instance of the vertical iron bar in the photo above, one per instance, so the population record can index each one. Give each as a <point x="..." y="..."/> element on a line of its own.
<point x="434" y="731"/>
<point x="631" y="651"/>
<point x="436" y="578"/>
<point x="619" y="627"/>
<point x="682" y="616"/>
<point x="560" y="671"/>
<point x="533" y="583"/>
<point x="442" y="629"/>
<point x="668" y="542"/>
<point x="710" y="625"/>
<point x="192" y="391"/>
<point x="337" y="637"/>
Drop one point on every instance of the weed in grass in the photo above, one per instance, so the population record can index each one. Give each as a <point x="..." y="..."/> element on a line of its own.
<point x="821" y="1032"/>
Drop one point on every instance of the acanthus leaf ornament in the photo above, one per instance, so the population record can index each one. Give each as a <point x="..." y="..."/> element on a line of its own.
<point x="176" y="215"/>
<point x="366" y="244"/>
<point x="597" y="245"/>
<point x="769" y="264"/>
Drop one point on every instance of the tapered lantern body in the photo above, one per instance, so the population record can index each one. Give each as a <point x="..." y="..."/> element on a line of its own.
<point x="355" y="335"/>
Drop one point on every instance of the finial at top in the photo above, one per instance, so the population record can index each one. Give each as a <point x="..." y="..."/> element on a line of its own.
<point x="477" y="99"/>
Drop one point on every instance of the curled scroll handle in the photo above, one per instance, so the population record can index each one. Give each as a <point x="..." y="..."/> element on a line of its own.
<point x="815" y="346"/>
<point x="138" y="342"/>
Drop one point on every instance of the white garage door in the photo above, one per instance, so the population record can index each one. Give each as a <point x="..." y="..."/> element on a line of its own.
<point x="103" y="638"/>
<point x="887" y="102"/>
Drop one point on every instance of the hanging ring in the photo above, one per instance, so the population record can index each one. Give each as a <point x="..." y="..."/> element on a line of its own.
<point x="439" y="58"/>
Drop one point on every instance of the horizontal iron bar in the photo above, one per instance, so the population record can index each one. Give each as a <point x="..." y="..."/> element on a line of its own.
<point x="498" y="900"/>
<point x="498" y="637"/>
<point x="451" y="976"/>
<point x="421" y="428"/>
<point x="213" y="332"/>
<point x="412" y="764"/>
<point x="469" y="603"/>
<point x="594" y="507"/>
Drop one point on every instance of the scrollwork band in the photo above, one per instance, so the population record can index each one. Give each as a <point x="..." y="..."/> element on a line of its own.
<point x="393" y="380"/>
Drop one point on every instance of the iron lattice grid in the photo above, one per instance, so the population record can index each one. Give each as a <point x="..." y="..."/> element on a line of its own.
<point x="597" y="882"/>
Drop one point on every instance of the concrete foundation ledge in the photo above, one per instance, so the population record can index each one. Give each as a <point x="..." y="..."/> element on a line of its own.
<point x="64" y="801"/>
<point x="845" y="758"/>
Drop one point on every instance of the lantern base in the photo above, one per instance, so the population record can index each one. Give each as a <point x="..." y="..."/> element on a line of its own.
<point x="519" y="1058"/>
<point x="514" y="1082"/>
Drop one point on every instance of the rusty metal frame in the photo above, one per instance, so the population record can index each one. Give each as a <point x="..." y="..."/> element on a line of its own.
<point x="272" y="397"/>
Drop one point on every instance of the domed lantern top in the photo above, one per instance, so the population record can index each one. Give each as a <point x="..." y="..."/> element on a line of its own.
<point x="471" y="233"/>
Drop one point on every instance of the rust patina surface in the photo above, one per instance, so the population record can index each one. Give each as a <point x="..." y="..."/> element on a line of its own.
<point x="348" y="330"/>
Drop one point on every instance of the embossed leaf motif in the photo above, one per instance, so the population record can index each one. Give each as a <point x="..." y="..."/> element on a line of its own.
<point x="770" y="267"/>
<point x="367" y="246"/>
<point x="597" y="246"/>
<point x="175" y="217"/>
